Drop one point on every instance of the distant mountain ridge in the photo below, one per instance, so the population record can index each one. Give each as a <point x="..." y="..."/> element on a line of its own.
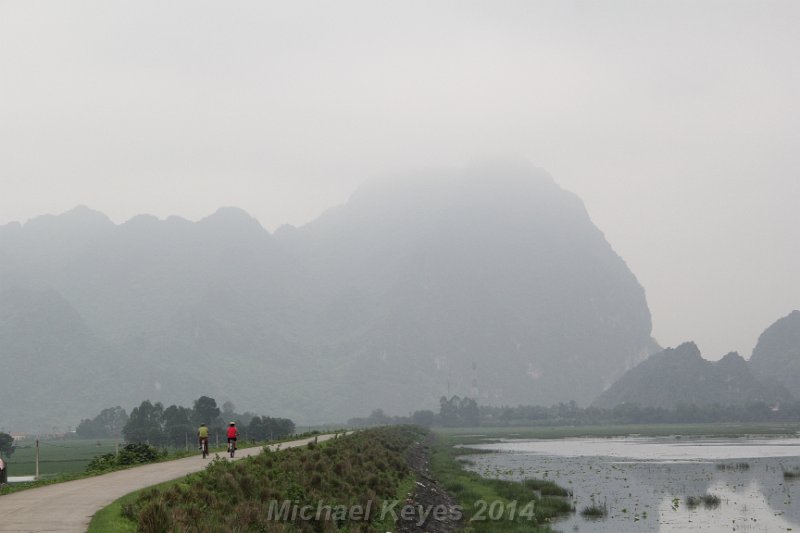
<point x="492" y="283"/>
<point x="681" y="376"/>
<point x="776" y="357"/>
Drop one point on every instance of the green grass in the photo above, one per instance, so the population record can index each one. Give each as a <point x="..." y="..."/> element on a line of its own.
<point x="545" y="500"/>
<point x="547" y="488"/>
<point x="59" y="461"/>
<point x="57" y="456"/>
<point x="61" y="478"/>
<point x="110" y="520"/>
<point x="595" y="511"/>
<point x="404" y="489"/>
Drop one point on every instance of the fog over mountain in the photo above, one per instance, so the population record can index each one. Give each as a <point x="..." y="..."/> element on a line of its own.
<point x="675" y="122"/>
<point x="492" y="282"/>
<point x="776" y="357"/>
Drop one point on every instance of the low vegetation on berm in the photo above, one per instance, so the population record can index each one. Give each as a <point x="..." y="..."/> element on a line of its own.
<point x="497" y="505"/>
<point x="362" y="469"/>
<point x="131" y="454"/>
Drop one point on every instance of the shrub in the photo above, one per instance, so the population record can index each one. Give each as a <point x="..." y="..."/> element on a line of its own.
<point x="546" y="488"/>
<point x="709" y="501"/>
<point x="130" y="454"/>
<point x="595" y="511"/>
<point x="791" y="474"/>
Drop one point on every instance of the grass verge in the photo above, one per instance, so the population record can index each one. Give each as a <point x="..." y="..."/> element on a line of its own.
<point x="110" y="519"/>
<point x="494" y="505"/>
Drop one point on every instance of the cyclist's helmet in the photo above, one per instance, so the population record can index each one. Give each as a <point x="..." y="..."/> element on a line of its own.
<point x="202" y="424"/>
<point x="233" y="423"/>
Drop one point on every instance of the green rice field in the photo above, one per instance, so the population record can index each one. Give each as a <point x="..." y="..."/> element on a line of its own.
<point x="57" y="456"/>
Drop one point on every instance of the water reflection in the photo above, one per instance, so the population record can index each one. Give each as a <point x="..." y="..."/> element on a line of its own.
<point x="645" y="482"/>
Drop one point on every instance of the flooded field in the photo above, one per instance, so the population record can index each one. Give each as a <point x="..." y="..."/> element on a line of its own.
<point x="664" y="484"/>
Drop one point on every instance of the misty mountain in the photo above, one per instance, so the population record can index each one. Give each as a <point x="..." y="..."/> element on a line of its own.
<point x="776" y="357"/>
<point x="51" y="363"/>
<point x="492" y="283"/>
<point x="681" y="376"/>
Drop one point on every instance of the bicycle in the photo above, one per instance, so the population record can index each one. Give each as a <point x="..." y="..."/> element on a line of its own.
<point x="231" y="447"/>
<point x="204" y="447"/>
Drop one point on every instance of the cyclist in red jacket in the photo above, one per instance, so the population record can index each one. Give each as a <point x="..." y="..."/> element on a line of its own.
<point x="233" y="434"/>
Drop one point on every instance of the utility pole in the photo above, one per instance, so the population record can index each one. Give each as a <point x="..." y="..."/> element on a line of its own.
<point x="37" y="460"/>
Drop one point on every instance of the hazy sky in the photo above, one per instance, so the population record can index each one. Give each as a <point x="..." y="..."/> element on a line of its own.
<point x="678" y="123"/>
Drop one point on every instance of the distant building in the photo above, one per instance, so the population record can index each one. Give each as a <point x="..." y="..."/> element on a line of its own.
<point x="19" y="437"/>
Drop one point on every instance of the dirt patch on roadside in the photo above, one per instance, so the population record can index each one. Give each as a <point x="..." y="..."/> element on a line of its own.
<point x="428" y="497"/>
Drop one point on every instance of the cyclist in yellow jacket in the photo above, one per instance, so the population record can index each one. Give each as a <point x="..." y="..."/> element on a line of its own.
<point x="202" y="435"/>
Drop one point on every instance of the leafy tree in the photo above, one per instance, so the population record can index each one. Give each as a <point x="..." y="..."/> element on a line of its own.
<point x="153" y="424"/>
<point x="243" y="418"/>
<point x="266" y="428"/>
<point x="258" y="429"/>
<point x="423" y="419"/>
<point x="109" y="423"/>
<point x="468" y="412"/>
<point x="145" y="424"/>
<point x="112" y="420"/>
<point x="448" y="411"/>
<point x="177" y="424"/>
<point x="206" y="411"/>
<point x="6" y="444"/>
<point x="458" y="412"/>
<point x="86" y="429"/>
<point x="228" y="411"/>
<point x="378" y="418"/>
<point x="283" y="427"/>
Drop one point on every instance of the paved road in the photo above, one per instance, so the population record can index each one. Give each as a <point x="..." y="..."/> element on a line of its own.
<point x="68" y="507"/>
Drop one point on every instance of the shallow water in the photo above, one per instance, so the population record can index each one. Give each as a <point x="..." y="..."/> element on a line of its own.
<point x="645" y="482"/>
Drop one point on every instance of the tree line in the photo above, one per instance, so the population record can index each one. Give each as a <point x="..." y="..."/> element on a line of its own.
<point x="631" y="413"/>
<point x="453" y="412"/>
<point x="154" y="424"/>
<point x="465" y="412"/>
<point x="6" y="445"/>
